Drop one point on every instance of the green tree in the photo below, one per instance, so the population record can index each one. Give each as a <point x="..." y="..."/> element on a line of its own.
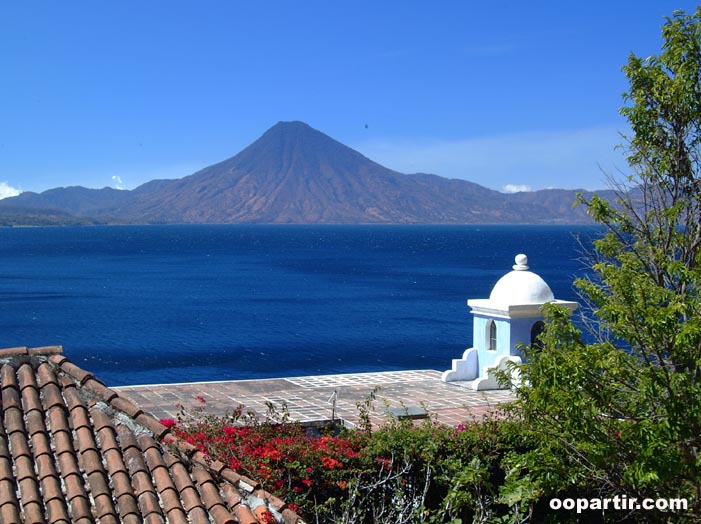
<point x="622" y="414"/>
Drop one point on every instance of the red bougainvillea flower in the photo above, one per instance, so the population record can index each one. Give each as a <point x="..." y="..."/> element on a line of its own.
<point x="282" y="457"/>
<point x="331" y="463"/>
<point x="168" y="422"/>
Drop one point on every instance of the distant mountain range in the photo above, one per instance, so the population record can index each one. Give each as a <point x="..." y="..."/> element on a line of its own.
<point x="296" y="174"/>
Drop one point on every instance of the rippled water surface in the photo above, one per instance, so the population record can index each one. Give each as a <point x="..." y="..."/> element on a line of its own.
<point x="158" y="304"/>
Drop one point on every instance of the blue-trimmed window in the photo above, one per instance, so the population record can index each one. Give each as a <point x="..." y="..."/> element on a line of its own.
<point x="492" y="335"/>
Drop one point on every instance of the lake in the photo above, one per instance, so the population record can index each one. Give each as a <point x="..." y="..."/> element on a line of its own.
<point x="185" y="303"/>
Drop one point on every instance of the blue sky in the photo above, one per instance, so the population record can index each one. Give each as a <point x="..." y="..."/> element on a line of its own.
<point x="511" y="95"/>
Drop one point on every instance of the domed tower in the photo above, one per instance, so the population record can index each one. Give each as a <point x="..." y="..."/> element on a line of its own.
<point x="510" y="317"/>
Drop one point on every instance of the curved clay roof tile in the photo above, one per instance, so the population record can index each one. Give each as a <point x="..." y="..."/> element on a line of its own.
<point x="73" y="451"/>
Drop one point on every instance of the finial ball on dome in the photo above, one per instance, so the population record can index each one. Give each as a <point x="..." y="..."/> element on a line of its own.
<point x="521" y="262"/>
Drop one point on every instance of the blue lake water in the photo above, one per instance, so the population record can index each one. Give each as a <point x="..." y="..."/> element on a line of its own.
<point x="162" y="304"/>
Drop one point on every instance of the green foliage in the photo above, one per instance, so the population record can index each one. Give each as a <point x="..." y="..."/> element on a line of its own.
<point x="621" y="412"/>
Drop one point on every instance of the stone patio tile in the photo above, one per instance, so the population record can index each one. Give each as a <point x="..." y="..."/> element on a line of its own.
<point x="307" y="398"/>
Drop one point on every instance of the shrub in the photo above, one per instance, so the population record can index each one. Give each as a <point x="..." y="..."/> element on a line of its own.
<point x="401" y="472"/>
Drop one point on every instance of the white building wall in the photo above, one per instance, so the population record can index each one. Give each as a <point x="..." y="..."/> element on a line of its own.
<point x="480" y="340"/>
<point x="521" y="334"/>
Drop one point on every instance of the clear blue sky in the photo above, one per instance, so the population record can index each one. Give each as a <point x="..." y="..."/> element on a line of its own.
<point x="506" y="94"/>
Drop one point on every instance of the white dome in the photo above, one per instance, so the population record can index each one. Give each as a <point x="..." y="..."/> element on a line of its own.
<point x="521" y="287"/>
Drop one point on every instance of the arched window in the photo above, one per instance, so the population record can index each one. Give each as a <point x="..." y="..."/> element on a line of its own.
<point x="492" y="335"/>
<point x="536" y="330"/>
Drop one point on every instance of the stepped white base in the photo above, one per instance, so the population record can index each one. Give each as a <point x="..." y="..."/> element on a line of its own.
<point x="489" y="375"/>
<point x="466" y="369"/>
<point x="463" y="369"/>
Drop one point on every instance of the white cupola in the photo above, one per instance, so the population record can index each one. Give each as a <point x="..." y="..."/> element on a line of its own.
<point x="509" y="318"/>
<point x="521" y="286"/>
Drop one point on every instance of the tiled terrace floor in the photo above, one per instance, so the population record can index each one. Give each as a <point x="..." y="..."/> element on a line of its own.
<point x="309" y="398"/>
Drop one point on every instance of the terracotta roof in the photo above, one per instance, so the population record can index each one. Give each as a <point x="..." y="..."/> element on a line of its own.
<point x="74" y="451"/>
